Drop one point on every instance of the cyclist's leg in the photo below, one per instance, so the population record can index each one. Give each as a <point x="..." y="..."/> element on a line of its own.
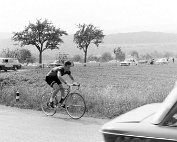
<point x="56" y="88"/>
<point x="51" y="82"/>
<point x="53" y="95"/>
<point x="62" y="90"/>
<point x="56" y="84"/>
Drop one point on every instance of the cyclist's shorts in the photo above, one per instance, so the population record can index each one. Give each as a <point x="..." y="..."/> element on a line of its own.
<point x="52" y="80"/>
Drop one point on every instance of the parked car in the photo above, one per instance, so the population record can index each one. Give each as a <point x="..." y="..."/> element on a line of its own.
<point x="155" y="122"/>
<point x="54" y="64"/>
<point x="143" y="61"/>
<point x="128" y="62"/>
<point x="162" y="61"/>
<point x="113" y="61"/>
<point x="9" y="64"/>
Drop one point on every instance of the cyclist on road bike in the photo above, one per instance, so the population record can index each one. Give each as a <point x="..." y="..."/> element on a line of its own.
<point x="55" y="80"/>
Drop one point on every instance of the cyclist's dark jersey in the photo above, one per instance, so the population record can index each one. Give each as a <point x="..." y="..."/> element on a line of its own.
<point x="53" y="72"/>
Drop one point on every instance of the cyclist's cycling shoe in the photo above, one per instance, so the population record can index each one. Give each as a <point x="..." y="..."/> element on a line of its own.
<point x="63" y="106"/>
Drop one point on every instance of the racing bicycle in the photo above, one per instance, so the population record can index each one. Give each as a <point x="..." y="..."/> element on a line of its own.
<point x="75" y="105"/>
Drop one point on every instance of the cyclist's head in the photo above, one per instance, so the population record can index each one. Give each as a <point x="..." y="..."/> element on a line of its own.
<point x="68" y="64"/>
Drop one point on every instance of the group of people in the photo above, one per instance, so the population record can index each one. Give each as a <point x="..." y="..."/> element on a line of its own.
<point x="153" y="60"/>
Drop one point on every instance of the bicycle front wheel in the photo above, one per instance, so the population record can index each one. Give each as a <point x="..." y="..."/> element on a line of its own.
<point x="75" y="105"/>
<point x="45" y="105"/>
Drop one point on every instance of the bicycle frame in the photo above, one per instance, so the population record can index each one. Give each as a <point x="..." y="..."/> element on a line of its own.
<point x="74" y="103"/>
<point x="68" y="89"/>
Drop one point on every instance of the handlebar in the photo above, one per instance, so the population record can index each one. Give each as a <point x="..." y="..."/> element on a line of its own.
<point x="73" y="84"/>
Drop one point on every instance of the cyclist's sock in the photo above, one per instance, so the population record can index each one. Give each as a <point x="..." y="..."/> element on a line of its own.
<point x="51" y="99"/>
<point x="61" y="101"/>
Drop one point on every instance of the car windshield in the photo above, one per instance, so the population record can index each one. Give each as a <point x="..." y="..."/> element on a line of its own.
<point x="166" y="106"/>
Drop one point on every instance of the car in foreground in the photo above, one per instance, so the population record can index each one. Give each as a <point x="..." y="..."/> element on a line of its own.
<point x="162" y="61"/>
<point x="156" y="122"/>
<point x="54" y="64"/>
<point x="129" y="62"/>
<point x="9" y="64"/>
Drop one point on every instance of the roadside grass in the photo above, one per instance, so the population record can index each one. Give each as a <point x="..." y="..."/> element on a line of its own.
<point x="109" y="90"/>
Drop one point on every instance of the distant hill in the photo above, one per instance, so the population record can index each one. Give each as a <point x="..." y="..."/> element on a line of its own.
<point x="140" y="38"/>
<point x="143" y="42"/>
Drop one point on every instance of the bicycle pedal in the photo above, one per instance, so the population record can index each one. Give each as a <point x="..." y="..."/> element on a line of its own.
<point x="63" y="106"/>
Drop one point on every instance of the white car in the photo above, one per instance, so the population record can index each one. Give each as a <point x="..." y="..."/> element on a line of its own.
<point x="143" y="61"/>
<point x="54" y="64"/>
<point x="162" y="61"/>
<point x="9" y="64"/>
<point x="129" y="62"/>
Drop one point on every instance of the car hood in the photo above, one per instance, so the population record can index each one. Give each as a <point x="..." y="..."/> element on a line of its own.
<point x="137" y="115"/>
<point x="137" y="123"/>
<point x="132" y="117"/>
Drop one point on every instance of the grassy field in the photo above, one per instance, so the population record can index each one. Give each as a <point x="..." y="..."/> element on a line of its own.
<point x="109" y="90"/>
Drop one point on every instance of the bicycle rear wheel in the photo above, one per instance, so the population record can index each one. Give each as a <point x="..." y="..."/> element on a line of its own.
<point x="45" y="105"/>
<point x="75" y="105"/>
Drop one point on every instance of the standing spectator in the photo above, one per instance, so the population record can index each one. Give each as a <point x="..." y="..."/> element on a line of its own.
<point x="173" y="60"/>
<point x="152" y="62"/>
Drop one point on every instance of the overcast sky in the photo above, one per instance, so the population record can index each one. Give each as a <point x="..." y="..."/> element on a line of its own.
<point x="112" y="16"/>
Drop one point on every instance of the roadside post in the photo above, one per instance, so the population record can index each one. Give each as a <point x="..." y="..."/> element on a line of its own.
<point x="17" y="96"/>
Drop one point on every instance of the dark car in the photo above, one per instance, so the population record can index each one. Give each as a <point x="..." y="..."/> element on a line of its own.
<point x="155" y="122"/>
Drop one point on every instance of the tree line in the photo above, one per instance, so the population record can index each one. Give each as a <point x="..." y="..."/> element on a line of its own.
<point x="44" y="35"/>
<point x="23" y="55"/>
<point x="118" y="55"/>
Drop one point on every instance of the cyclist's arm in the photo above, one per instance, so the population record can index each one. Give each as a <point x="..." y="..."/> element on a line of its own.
<point x="71" y="77"/>
<point x="60" y="77"/>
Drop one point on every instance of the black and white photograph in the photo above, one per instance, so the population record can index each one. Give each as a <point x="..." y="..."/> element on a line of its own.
<point x="88" y="70"/>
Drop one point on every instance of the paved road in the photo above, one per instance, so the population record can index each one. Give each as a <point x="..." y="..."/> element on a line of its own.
<point x="19" y="125"/>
